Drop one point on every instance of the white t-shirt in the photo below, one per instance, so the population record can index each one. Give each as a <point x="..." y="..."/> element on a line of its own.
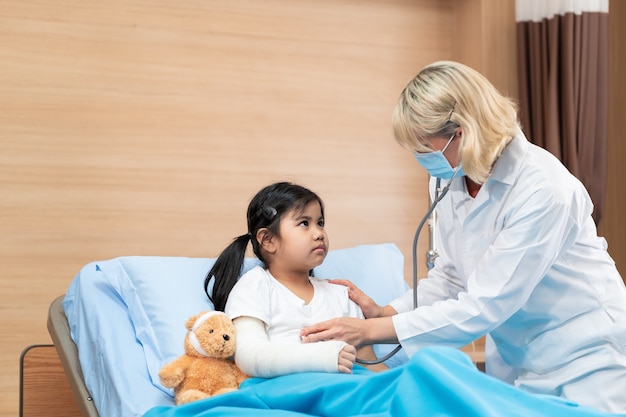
<point x="258" y="294"/>
<point x="270" y="319"/>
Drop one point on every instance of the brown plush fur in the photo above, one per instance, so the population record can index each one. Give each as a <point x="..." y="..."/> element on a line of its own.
<point x="195" y="376"/>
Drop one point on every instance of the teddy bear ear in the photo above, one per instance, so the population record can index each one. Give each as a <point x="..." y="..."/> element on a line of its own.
<point x="192" y="320"/>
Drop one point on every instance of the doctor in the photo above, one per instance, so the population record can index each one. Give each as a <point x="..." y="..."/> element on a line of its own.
<point x="519" y="256"/>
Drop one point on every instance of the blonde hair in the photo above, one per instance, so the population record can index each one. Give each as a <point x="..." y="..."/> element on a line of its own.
<point x="446" y="95"/>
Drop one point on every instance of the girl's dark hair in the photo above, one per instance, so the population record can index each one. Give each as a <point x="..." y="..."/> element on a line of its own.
<point x="265" y="210"/>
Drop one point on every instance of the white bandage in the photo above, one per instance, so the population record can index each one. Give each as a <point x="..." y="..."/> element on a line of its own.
<point x="193" y="339"/>
<point x="257" y="356"/>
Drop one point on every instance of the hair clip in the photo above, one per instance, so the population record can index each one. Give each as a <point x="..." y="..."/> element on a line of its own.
<point x="268" y="212"/>
<point x="452" y="111"/>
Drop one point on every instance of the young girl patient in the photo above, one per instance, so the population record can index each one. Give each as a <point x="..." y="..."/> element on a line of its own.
<point x="271" y="303"/>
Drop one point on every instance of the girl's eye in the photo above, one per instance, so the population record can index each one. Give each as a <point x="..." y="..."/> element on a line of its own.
<point x="304" y="223"/>
<point x="320" y="223"/>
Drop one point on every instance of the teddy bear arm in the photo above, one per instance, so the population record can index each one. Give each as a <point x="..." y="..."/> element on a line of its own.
<point x="240" y="375"/>
<point x="173" y="373"/>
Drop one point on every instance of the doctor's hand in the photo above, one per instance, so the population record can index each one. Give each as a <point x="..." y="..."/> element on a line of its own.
<point x="346" y="329"/>
<point x="368" y="306"/>
<point x="346" y="359"/>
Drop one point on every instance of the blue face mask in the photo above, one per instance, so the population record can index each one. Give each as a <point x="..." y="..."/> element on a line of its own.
<point x="437" y="165"/>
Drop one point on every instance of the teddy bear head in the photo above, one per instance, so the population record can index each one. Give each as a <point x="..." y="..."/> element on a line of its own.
<point x="210" y="334"/>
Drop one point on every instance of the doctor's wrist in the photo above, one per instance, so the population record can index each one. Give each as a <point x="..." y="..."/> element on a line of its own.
<point x="379" y="330"/>
<point x="387" y="311"/>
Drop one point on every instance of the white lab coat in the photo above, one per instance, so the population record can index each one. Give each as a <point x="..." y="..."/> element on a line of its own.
<point x="522" y="262"/>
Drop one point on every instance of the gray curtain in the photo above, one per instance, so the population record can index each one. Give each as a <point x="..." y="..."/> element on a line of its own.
<point x="563" y="86"/>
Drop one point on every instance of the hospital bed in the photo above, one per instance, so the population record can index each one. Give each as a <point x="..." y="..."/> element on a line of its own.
<point x="122" y="319"/>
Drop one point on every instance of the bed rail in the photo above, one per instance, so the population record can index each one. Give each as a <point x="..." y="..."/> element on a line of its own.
<point x="68" y="354"/>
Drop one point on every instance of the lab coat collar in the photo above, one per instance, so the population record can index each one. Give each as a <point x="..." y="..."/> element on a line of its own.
<point x="506" y="168"/>
<point x="505" y="171"/>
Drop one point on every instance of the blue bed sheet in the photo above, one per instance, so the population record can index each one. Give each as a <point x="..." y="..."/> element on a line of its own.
<point x="437" y="381"/>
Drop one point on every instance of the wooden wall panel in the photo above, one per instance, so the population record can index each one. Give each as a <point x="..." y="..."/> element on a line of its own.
<point x="143" y="127"/>
<point x="485" y="40"/>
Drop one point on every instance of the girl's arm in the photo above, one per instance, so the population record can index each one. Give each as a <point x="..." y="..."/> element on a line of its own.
<point x="257" y="356"/>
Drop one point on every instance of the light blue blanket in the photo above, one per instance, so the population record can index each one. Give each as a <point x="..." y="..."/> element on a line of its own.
<point x="435" y="382"/>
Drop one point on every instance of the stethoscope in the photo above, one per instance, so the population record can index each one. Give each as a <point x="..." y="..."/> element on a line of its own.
<point x="431" y="256"/>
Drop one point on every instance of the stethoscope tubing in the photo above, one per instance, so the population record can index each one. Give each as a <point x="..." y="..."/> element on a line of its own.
<point x="439" y="195"/>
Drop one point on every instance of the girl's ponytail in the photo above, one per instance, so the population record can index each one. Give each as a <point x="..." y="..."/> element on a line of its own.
<point x="226" y="271"/>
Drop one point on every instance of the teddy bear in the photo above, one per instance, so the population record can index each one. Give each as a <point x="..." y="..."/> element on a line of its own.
<point x="206" y="368"/>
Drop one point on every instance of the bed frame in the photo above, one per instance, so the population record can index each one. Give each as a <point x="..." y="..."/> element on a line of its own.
<point x="45" y="389"/>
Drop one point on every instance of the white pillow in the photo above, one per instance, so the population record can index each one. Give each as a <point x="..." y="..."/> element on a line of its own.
<point x="376" y="269"/>
<point x="161" y="294"/>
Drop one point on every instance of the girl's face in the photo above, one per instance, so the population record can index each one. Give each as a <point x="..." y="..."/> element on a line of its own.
<point x="303" y="243"/>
